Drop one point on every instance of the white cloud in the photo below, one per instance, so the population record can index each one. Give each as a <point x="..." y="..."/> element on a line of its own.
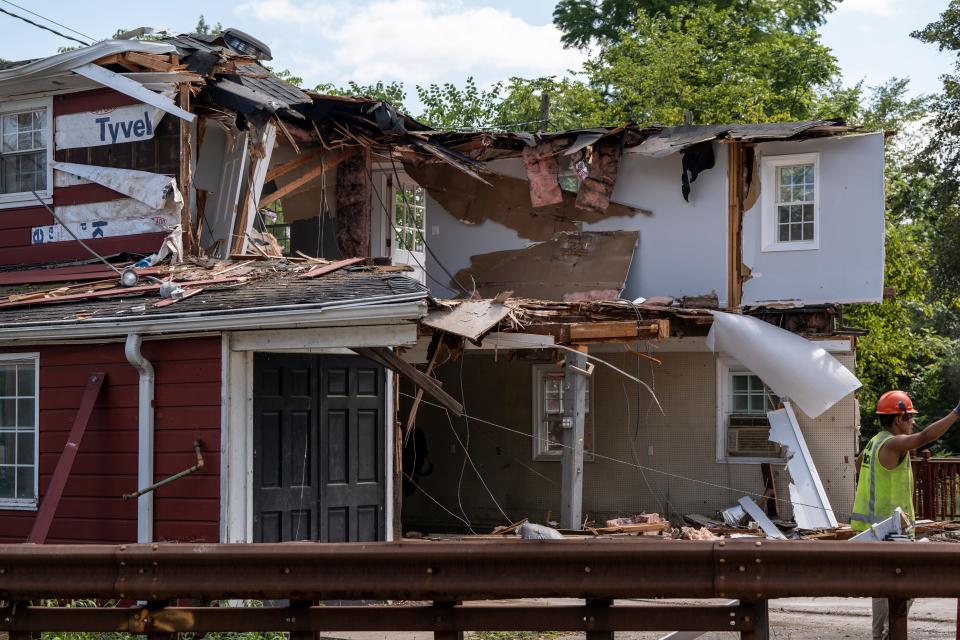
<point x="414" y="41"/>
<point x="880" y="8"/>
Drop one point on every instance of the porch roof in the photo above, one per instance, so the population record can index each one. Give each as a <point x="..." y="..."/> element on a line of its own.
<point x="87" y="295"/>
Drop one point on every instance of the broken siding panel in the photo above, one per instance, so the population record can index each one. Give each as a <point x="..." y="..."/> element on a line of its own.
<point x="848" y="265"/>
<point x="161" y="154"/>
<point x="683" y="442"/>
<point x="187" y="408"/>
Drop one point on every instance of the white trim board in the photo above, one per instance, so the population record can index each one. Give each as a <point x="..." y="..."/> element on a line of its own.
<point x="312" y="340"/>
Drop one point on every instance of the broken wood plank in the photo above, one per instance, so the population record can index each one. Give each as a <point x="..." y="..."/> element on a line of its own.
<point x="189" y="293"/>
<point x="290" y="165"/>
<point x="390" y="360"/>
<point x="328" y="162"/>
<point x="769" y="490"/>
<point x="330" y="268"/>
<point x="149" y="61"/>
<point x="598" y="330"/>
<point x="437" y="344"/>
<point x="650" y="527"/>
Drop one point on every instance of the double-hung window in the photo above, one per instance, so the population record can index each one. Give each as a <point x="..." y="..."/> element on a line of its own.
<point x="743" y="430"/>
<point x="25" y="151"/>
<point x="18" y="431"/>
<point x="548" y="392"/>
<point x="791" y="212"/>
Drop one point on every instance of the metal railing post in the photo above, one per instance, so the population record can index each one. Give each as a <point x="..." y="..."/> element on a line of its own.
<point x="598" y="634"/>
<point x="761" y="620"/>
<point x="897" y="618"/>
<point x="456" y="634"/>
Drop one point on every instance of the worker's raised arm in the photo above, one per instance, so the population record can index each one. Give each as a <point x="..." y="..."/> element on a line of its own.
<point x="931" y="433"/>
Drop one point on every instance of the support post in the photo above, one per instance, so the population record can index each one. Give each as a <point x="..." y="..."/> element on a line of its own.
<point x="598" y="634"/>
<point x="447" y="635"/>
<point x="48" y="507"/>
<point x="574" y="405"/>
<point x="761" y="620"/>
<point x="897" y="619"/>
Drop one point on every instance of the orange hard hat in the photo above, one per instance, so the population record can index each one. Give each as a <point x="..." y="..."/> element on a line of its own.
<point x="895" y="403"/>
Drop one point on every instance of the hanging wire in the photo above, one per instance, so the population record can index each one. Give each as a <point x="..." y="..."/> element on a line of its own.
<point x="396" y="176"/>
<point x="51" y="21"/>
<point x="466" y="449"/>
<point x="40" y="26"/>
<point x="634" y="465"/>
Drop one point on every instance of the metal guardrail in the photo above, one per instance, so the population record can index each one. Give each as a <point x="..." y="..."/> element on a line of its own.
<point x="449" y="573"/>
<point x="936" y="487"/>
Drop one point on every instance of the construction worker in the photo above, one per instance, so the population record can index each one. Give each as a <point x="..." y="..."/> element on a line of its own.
<point x="886" y="474"/>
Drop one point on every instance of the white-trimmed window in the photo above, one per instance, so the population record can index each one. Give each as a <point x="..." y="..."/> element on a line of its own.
<point x="548" y="414"/>
<point x="19" y="419"/>
<point x="791" y="213"/>
<point x="26" y="150"/>
<point x="743" y="430"/>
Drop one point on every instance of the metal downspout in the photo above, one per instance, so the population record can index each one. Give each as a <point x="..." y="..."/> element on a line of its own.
<point x="145" y="435"/>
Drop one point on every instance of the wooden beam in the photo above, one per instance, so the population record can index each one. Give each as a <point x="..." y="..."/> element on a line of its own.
<point x="149" y="61"/>
<point x="51" y="499"/>
<point x="186" y="173"/>
<point x="290" y="165"/>
<point x="391" y="360"/>
<point x="329" y="161"/>
<point x="734" y="224"/>
<point x="594" y="330"/>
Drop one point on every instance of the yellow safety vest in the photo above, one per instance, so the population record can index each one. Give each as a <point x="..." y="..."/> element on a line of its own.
<point x="881" y="490"/>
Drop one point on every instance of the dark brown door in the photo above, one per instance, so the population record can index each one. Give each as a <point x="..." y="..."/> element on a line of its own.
<point x="318" y="448"/>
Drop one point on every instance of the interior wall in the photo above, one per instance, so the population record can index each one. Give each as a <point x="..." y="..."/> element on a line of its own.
<point x="629" y="429"/>
<point x="682" y="248"/>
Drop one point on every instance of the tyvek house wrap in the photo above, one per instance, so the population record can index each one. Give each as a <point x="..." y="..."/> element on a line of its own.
<point x="799" y="370"/>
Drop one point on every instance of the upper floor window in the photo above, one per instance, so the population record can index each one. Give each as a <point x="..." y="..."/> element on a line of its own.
<point x="790" y="216"/>
<point x="25" y="150"/>
<point x="548" y="383"/>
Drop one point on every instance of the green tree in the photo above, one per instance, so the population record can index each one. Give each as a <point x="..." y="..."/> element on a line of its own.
<point x="585" y="22"/>
<point x="392" y="92"/>
<point x="205" y="28"/>
<point x="447" y="106"/>
<point x="713" y="63"/>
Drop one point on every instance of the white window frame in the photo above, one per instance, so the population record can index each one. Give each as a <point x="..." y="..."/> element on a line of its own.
<point x="769" y="195"/>
<point x="540" y="451"/>
<point x="23" y="504"/>
<point x="727" y="367"/>
<point x="25" y="198"/>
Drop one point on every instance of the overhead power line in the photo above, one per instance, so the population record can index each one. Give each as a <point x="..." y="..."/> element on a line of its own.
<point x="45" y="28"/>
<point x="51" y="21"/>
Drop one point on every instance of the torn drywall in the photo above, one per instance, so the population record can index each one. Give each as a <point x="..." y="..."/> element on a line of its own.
<point x="792" y="366"/>
<point x="505" y="200"/>
<point x="811" y="507"/>
<point x="570" y="266"/>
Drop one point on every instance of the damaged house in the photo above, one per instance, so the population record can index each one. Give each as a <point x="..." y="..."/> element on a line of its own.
<point x="233" y="310"/>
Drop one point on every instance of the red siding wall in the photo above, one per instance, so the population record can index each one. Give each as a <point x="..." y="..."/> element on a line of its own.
<point x="159" y="155"/>
<point x="187" y="406"/>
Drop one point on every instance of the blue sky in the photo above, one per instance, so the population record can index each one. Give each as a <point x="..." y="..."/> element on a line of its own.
<point x="421" y="41"/>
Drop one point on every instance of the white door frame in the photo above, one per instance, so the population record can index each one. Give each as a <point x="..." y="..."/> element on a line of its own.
<point x="236" y="412"/>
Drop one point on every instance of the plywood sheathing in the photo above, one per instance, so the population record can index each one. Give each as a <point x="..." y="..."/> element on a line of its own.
<point x="543" y="168"/>
<point x="354" y="204"/>
<point x="186" y="171"/>
<point x="570" y="266"/>
<point x="596" y="188"/>
<point x="506" y="200"/>
<point x="735" y="193"/>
